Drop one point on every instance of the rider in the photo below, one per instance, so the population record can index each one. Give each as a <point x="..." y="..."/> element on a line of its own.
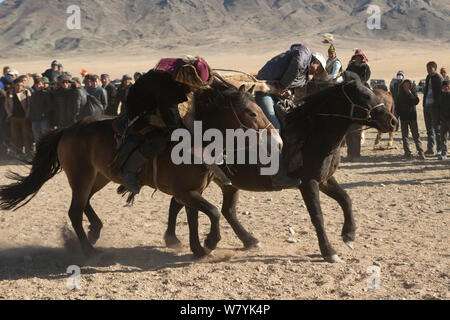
<point x="161" y="89"/>
<point x="334" y="66"/>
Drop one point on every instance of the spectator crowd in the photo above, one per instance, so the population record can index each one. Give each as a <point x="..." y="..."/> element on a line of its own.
<point x="33" y="104"/>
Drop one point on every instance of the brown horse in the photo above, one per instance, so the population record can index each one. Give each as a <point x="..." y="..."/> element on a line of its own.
<point x="320" y="125"/>
<point x="86" y="150"/>
<point x="386" y="98"/>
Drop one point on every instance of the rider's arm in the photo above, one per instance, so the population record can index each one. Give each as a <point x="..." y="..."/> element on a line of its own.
<point x="297" y="66"/>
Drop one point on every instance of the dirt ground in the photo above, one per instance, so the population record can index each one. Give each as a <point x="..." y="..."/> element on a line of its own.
<point x="401" y="208"/>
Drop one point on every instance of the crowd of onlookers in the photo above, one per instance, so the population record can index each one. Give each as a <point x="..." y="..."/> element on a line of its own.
<point x="33" y="104"/>
<point x="436" y="111"/>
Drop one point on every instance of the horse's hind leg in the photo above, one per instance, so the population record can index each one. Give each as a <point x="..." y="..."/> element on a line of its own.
<point x="81" y="184"/>
<point x="230" y="199"/>
<point x="332" y="189"/>
<point x="96" y="224"/>
<point x="196" y="202"/>
<point x="170" y="236"/>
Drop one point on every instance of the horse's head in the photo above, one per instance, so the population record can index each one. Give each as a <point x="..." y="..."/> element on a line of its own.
<point x="222" y="107"/>
<point x="366" y="108"/>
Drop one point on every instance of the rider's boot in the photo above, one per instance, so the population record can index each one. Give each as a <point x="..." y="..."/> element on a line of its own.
<point x="130" y="171"/>
<point x="282" y="180"/>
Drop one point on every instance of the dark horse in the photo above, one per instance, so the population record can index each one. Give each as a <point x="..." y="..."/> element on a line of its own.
<point x="86" y="150"/>
<point x="320" y="125"/>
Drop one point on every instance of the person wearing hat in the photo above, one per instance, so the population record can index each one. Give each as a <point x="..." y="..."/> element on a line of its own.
<point x="395" y="84"/>
<point x="359" y="65"/>
<point x="53" y="73"/>
<point x="137" y="75"/>
<point x="121" y="97"/>
<point x="334" y="66"/>
<point x="291" y="71"/>
<point x="17" y="108"/>
<point x="63" y="114"/>
<point x="111" y="93"/>
<point x="159" y="90"/>
<point x="40" y="107"/>
<point x="444" y="73"/>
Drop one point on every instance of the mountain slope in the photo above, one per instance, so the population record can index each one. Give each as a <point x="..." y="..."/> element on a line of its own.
<point x="39" y="26"/>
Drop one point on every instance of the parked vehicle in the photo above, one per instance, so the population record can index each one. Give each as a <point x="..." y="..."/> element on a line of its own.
<point x="421" y="85"/>
<point x="378" y="84"/>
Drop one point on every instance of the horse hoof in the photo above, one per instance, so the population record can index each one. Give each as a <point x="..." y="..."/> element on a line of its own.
<point x="333" y="259"/>
<point x="350" y="244"/>
<point x="172" y="242"/>
<point x="93" y="237"/>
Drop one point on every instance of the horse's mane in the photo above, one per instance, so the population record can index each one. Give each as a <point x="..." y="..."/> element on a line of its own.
<point x="218" y="97"/>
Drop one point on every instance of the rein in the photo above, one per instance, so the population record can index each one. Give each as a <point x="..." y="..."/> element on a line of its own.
<point x="352" y="110"/>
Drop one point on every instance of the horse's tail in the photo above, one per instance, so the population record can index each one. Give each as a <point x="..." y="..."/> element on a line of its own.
<point x="44" y="166"/>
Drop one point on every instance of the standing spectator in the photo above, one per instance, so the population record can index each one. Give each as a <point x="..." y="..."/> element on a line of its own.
<point x="122" y="94"/>
<point x="2" y="79"/>
<point x="3" y="125"/>
<point x="405" y="105"/>
<point x="62" y="108"/>
<point x="41" y="103"/>
<point x="79" y="98"/>
<point x="18" y="110"/>
<point x="431" y="94"/>
<point x="46" y="83"/>
<point x="95" y="89"/>
<point x="111" y="91"/>
<point x="14" y="73"/>
<point x="444" y="110"/>
<point x="358" y="64"/>
<point x="444" y="73"/>
<point x="53" y="73"/>
<point x="395" y="85"/>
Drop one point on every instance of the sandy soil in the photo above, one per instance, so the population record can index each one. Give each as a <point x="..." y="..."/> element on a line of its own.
<point x="385" y="57"/>
<point x="401" y="208"/>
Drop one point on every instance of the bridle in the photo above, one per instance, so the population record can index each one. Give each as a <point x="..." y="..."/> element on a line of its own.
<point x="354" y="106"/>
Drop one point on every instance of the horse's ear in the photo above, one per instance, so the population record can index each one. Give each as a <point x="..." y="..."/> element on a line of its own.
<point x="242" y="89"/>
<point x="252" y="89"/>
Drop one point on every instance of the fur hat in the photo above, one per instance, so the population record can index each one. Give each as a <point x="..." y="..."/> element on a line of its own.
<point x="359" y="52"/>
<point x="191" y="71"/>
<point x="332" y="50"/>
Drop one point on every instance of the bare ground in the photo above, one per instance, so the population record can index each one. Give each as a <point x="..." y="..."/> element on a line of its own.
<point x="401" y="208"/>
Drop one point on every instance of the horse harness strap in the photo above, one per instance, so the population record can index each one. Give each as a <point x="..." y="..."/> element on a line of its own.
<point x="352" y="110"/>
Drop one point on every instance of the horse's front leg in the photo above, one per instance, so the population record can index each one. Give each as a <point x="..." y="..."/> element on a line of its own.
<point x="230" y="199"/>
<point x="310" y="193"/>
<point x="170" y="236"/>
<point x="332" y="189"/>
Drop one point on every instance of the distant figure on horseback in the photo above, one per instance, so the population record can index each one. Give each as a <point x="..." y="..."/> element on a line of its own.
<point x="158" y="92"/>
<point x="359" y="65"/>
<point x="334" y="66"/>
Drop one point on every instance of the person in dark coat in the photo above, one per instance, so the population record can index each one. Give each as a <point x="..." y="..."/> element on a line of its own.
<point x="111" y="93"/>
<point x="94" y="88"/>
<point x="41" y="104"/>
<point x="291" y="70"/>
<point x="405" y="105"/>
<point x="122" y="94"/>
<point x="444" y="112"/>
<point x="3" y="125"/>
<point x="358" y="64"/>
<point x="63" y="103"/>
<point x="53" y="73"/>
<point x="161" y="89"/>
<point x="431" y="95"/>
